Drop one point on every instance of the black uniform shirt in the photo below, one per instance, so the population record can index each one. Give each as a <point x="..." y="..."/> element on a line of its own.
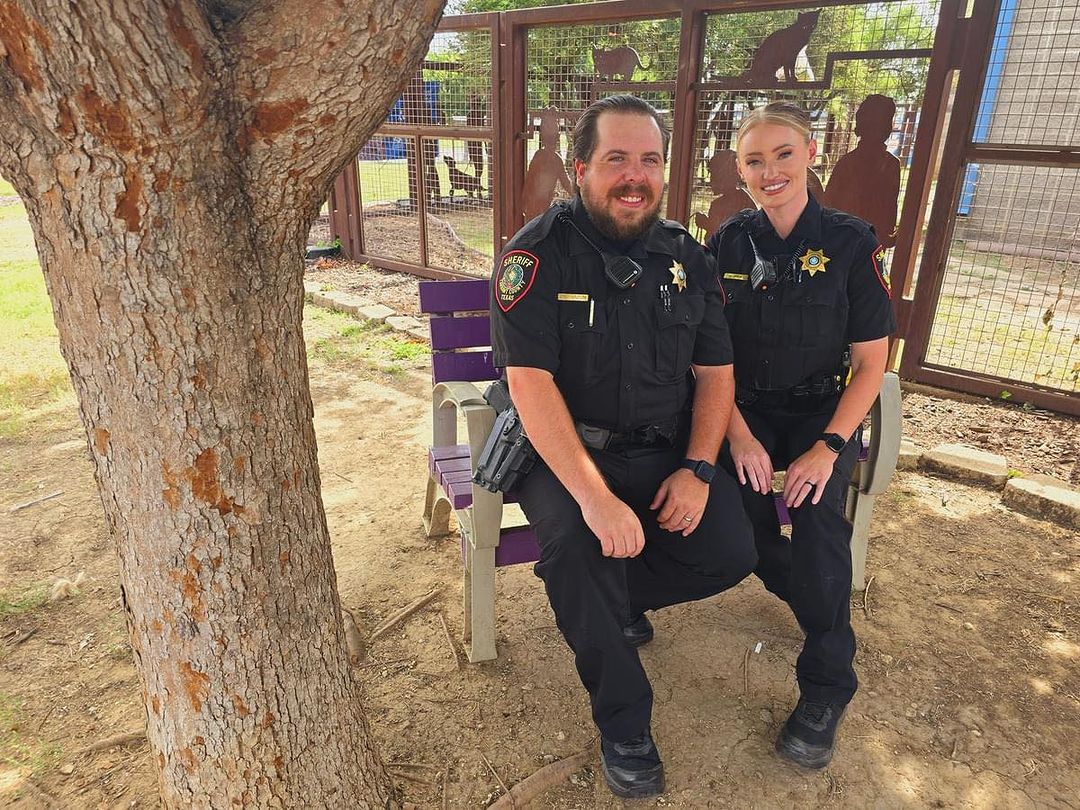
<point x="834" y="291"/>
<point x="619" y="357"/>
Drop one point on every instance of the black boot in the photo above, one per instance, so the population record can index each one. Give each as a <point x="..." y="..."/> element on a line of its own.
<point x="639" y="632"/>
<point x="632" y="769"/>
<point x="808" y="738"/>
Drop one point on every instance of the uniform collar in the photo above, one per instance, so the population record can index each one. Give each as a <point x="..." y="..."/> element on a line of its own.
<point x="579" y="246"/>
<point x="807" y="227"/>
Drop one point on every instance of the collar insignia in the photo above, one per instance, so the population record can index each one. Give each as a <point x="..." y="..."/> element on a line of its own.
<point x="814" y="261"/>
<point x="678" y="275"/>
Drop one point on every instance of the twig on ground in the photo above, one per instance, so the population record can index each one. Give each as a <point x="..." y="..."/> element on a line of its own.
<point x="746" y="672"/>
<point x="116" y="741"/>
<point x="342" y="477"/>
<point x="354" y="642"/>
<point x="390" y="622"/>
<point x="36" y="501"/>
<point x="948" y="607"/>
<point x="542" y="780"/>
<point x="14" y="639"/>
<point x="866" y="596"/>
<point x="449" y="641"/>
<point x="498" y="778"/>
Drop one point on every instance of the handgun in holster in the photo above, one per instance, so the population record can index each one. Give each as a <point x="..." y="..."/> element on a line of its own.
<point x="508" y="455"/>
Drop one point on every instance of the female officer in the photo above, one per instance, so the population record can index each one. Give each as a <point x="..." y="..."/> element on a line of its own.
<point x="807" y="295"/>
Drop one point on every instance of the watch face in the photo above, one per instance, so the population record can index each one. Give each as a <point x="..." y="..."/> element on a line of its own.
<point x="834" y="442"/>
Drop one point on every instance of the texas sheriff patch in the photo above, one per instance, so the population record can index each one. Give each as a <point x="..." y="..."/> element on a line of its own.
<point x="514" y="278"/>
<point x="882" y="269"/>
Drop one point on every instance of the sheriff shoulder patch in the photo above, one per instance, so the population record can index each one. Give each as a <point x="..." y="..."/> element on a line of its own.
<point x="882" y="270"/>
<point x="516" y="275"/>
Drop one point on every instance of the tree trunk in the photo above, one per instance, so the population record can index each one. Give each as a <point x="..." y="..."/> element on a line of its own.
<point x="171" y="158"/>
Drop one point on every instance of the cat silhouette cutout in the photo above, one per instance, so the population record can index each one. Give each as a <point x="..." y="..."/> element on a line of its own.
<point x="780" y="50"/>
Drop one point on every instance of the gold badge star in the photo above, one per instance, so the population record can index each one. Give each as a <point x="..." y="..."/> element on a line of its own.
<point x="814" y="261"/>
<point x="678" y="275"/>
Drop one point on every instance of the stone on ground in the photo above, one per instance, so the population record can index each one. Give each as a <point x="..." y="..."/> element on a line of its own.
<point x="966" y="464"/>
<point x="1044" y="497"/>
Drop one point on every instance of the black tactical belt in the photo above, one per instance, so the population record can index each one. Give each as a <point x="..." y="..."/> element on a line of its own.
<point x="600" y="438"/>
<point x="809" y="393"/>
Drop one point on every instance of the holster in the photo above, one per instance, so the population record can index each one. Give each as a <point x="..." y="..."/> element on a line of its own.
<point x="508" y="455"/>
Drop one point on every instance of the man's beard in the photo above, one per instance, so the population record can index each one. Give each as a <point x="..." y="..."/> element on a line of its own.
<point x="622" y="231"/>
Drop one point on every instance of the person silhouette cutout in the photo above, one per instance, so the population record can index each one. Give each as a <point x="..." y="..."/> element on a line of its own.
<point x="730" y="197"/>
<point x="866" y="181"/>
<point x="546" y="169"/>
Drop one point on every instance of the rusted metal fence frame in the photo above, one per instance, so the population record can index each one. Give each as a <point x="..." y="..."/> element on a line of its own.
<point x="960" y="55"/>
<point x="969" y="56"/>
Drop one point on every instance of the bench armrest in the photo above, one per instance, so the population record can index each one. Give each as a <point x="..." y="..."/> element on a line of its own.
<point x="451" y="399"/>
<point x="885" y="430"/>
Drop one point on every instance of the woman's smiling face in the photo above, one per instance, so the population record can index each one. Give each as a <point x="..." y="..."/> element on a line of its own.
<point x="773" y="160"/>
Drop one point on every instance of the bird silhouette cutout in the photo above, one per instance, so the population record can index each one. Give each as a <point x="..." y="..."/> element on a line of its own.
<point x="546" y="169"/>
<point x="866" y="181"/>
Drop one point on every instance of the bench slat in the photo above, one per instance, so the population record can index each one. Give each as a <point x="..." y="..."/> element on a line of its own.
<point x="460" y="333"/>
<point x="455" y="296"/>
<point x="463" y="366"/>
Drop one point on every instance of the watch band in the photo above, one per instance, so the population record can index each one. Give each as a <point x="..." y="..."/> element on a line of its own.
<point x="702" y="469"/>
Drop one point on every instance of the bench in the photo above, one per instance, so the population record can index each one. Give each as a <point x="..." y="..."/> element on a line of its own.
<point x="460" y="357"/>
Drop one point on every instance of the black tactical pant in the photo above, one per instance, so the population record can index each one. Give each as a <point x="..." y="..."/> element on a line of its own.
<point x="594" y="596"/>
<point x="812" y="571"/>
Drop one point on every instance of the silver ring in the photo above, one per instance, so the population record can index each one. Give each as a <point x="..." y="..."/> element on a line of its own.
<point x="688" y="519"/>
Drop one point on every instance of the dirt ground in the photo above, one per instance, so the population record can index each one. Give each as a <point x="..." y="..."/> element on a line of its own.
<point x="969" y="643"/>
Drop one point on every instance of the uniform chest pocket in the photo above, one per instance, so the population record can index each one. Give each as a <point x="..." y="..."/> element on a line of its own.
<point x="813" y="318"/>
<point x="677" y="324"/>
<point x="582" y="328"/>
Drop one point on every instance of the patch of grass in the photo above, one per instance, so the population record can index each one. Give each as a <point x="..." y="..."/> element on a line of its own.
<point x="339" y="339"/>
<point x="33" y="375"/>
<point x="15" y="603"/>
<point x="6" y="189"/>
<point x="18" y="748"/>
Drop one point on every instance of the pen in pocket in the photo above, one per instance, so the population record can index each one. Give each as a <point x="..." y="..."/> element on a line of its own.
<point x="592" y="309"/>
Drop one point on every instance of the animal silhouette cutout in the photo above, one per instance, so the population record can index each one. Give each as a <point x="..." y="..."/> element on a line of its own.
<point x="546" y="169"/>
<point x="468" y="183"/>
<point x="621" y="61"/>
<point x="729" y="199"/>
<point x="780" y="49"/>
<point x="866" y="181"/>
<point x="474" y="117"/>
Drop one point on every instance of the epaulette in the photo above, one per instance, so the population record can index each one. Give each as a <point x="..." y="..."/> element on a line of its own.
<point x="536" y="230"/>
<point x="672" y="225"/>
<point x="738" y="220"/>
<point x="844" y="219"/>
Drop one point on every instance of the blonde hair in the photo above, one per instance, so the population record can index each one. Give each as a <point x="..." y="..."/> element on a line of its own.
<point x="781" y="113"/>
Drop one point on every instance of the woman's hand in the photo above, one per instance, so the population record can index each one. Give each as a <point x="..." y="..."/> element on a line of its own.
<point x="752" y="463"/>
<point x="810" y="472"/>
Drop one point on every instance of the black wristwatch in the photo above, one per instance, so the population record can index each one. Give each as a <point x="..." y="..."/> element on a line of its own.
<point x="702" y="469"/>
<point x="834" y="441"/>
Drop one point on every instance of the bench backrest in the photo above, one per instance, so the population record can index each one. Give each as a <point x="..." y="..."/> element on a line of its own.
<point x="460" y="329"/>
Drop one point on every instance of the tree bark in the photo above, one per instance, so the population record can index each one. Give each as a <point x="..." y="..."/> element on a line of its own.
<point x="171" y="157"/>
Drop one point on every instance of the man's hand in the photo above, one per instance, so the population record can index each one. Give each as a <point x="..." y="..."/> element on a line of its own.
<point x="682" y="495"/>
<point x="752" y="463"/>
<point x="615" y="524"/>
<point x="810" y="472"/>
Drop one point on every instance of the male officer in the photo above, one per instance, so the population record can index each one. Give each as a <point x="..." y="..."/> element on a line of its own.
<point x="599" y="311"/>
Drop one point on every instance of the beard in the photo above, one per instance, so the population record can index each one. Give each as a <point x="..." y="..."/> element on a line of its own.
<point x="621" y="229"/>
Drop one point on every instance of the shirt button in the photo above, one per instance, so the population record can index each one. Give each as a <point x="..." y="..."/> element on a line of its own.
<point x="629" y="345"/>
<point x="627" y="386"/>
<point x="626" y="301"/>
<point x="771" y="297"/>
<point x="570" y="325"/>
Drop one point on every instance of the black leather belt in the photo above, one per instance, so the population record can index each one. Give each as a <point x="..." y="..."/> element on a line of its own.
<point x="600" y="438"/>
<point x="809" y="393"/>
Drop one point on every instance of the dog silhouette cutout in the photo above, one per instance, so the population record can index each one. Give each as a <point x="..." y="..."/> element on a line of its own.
<point x="469" y="183"/>
<point x="616" y="63"/>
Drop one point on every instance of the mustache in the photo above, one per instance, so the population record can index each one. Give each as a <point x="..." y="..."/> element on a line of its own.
<point x="632" y="191"/>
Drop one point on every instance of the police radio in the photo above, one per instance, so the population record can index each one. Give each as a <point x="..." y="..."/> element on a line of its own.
<point x="622" y="271"/>
<point x="764" y="273"/>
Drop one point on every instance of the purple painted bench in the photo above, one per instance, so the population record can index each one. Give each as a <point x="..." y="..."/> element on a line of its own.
<point x="460" y="357"/>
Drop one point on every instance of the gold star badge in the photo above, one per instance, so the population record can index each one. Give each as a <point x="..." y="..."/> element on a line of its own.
<point x="814" y="261"/>
<point x="678" y="275"/>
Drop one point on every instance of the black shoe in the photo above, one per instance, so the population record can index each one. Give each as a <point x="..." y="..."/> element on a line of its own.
<point x="632" y="769"/>
<point x="639" y="632"/>
<point x="808" y="738"/>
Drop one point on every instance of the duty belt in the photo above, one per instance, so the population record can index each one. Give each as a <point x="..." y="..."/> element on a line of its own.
<point x="600" y="438"/>
<point x="808" y="393"/>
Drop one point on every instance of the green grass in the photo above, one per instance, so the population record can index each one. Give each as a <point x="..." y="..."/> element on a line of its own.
<point x="18" y="746"/>
<point x="6" y="189"/>
<point x="33" y="375"/>
<point x="15" y="603"/>
<point x="339" y="339"/>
